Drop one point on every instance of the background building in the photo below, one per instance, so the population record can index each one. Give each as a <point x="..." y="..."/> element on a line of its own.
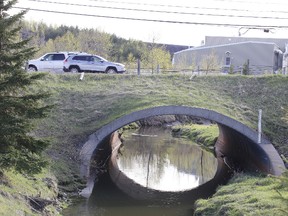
<point x="234" y="55"/>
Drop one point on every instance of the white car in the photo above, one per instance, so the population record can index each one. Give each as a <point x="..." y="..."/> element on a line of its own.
<point x="91" y="63"/>
<point x="50" y="62"/>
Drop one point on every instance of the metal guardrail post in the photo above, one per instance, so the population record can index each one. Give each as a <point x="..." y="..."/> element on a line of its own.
<point x="259" y="125"/>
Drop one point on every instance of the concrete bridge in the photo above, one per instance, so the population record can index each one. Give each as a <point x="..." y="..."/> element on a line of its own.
<point x="237" y="145"/>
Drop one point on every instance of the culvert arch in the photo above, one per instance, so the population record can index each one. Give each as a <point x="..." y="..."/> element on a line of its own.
<point x="236" y="142"/>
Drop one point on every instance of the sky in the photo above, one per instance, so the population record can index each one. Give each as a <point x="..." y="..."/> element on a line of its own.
<point x="179" y="22"/>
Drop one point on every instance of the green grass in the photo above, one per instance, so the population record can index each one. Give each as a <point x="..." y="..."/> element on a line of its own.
<point x="248" y="195"/>
<point x="205" y="135"/>
<point x="82" y="107"/>
<point x="16" y="190"/>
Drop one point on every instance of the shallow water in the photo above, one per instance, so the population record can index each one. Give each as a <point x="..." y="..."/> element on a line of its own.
<point x="153" y="158"/>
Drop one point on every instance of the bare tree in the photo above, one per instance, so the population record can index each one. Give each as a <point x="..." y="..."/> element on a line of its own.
<point x="185" y="61"/>
<point x="210" y="62"/>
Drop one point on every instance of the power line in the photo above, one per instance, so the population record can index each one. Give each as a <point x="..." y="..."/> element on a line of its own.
<point x="253" y="2"/>
<point x="161" y="11"/>
<point x="181" y="6"/>
<point x="157" y="20"/>
<point x="177" y="6"/>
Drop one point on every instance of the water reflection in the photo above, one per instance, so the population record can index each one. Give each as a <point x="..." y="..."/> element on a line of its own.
<point x="108" y="200"/>
<point x="154" y="159"/>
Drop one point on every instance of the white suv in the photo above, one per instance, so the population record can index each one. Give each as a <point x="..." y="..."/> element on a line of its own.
<point x="91" y="63"/>
<point x="51" y="62"/>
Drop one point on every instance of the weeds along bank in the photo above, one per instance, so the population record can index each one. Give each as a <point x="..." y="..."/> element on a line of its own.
<point x="84" y="106"/>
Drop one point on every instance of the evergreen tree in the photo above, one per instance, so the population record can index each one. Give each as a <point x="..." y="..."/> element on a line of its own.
<point x="18" y="106"/>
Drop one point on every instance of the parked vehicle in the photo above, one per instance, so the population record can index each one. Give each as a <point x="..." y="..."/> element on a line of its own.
<point x="50" y="62"/>
<point x="91" y="63"/>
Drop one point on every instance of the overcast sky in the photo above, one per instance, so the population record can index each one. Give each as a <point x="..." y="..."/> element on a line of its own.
<point x="179" y="22"/>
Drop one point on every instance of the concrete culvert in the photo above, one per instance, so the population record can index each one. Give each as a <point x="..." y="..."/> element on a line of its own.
<point x="236" y="149"/>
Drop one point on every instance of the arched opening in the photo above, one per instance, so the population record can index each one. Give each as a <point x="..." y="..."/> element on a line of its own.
<point x="236" y="146"/>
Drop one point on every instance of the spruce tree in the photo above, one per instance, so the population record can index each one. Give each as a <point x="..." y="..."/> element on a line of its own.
<point x="19" y="106"/>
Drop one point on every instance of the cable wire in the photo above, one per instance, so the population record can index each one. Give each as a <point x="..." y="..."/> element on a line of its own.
<point x="181" y="6"/>
<point x="157" y="20"/>
<point x="160" y="11"/>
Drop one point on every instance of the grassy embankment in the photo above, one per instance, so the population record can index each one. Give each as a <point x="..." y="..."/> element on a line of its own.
<point x="27" y="195"/>
<point x="248" y="194"/>
<point x="84" y="106"/>
<point x="204" y="135"/>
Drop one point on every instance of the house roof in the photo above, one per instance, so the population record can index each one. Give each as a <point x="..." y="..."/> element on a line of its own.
<point x="218" y="40"/>
<point x="229" y="45"/>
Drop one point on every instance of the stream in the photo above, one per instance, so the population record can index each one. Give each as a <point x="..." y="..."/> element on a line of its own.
<point x="154" y="159"/>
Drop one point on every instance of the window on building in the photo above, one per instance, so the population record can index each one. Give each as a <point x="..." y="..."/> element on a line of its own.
<point x="228" y="58"/>
<point x="228" y="61"/>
